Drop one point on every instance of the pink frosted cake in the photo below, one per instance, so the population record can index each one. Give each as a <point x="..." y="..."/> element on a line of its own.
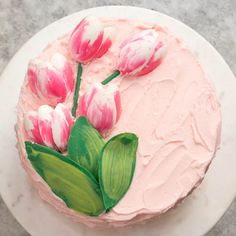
<point x="117" y="122"/>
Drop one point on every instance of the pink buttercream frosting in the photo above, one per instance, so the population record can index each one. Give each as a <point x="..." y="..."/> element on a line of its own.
<point x="173" y="110"/>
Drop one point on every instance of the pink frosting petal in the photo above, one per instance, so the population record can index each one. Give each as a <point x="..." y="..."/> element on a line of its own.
<point x="88" y="51"/>
<point x="104" y="48"/>
<point x="69" y="76"/>
<point x="106" y="42"/>
<point x="102" y="117"/>
<point x="88" y="40"/>
<point x="87" y="98"/>
<point x="45" y="125"/>
<point x="31" y="127"/>
<point x="76" y="37"/>
<point x="61" y="125"/>
<point x="155" y="60"/>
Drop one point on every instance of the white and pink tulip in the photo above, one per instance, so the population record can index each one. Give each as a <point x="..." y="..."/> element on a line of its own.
<point x="48" y="126"/>
<point x="53" y="80"/>
<point x="102" y="107"/>
<point x="89" y="40"/>
<point x="139" y="55"/>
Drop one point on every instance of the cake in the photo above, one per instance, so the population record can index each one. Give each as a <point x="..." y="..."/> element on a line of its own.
<point x="130" y="94"/>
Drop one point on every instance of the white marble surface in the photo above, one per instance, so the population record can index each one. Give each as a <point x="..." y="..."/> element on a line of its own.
<point x="215" y="21"/>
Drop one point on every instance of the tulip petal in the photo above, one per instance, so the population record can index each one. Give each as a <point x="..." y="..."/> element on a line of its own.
<point x="31" y="126"/>
<point x="104" y="48"/>
<point x="61" y="124"/>
<point x="69" y="76"/>
<point x="89" y="40"/>
<point x="101" y="117"/>
<point x="87" y="98"/>
<point x="88" y="50"/>
<point x="155" y="60"/>
<point x="45" y="125"/>
<point x="106" y="42"/>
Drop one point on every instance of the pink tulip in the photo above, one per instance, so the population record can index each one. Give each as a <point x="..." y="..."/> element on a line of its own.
<point x="49" y="126"/>
<point x="102" y="107"/>
<point x="141" y="53"/>
<point x="89" y="40"/>
<point x="51" y="81"/>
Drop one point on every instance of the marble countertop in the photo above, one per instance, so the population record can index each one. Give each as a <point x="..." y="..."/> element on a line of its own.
<point x="215" y="20"/>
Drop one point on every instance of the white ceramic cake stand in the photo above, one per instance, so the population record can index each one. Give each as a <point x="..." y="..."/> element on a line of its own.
<point x="195" y="216"/>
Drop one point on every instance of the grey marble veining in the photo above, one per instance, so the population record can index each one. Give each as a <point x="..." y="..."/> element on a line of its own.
<point x="21" y="19"/>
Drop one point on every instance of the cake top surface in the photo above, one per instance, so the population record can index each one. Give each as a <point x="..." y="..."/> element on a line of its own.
<point x="173" y="111"/>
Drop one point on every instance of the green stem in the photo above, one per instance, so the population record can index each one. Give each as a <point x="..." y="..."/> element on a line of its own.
<point x="111" y="77"/>
<point x="77" y="87"/>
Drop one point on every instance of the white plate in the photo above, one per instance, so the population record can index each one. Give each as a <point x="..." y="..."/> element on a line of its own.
<point x="195" y="216"/>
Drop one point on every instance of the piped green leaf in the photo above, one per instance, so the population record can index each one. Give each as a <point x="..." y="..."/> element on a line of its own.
<point x="84" y="145"/>
<point x="69" y="181"/>
<point x="116" y="167"/>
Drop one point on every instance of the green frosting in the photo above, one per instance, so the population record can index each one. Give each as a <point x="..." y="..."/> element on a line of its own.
<point x="84" y="145"/>
<point x="116" y="167"/>
<point x="77" y="88"/>
<point x="94" y="176"/>
<point x="69" y="181"/>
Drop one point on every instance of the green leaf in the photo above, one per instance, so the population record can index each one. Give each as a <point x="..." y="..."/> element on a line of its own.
<point x="69" y="181"/>
<point x="84" y="145"/>
<point x="116" y="167"/>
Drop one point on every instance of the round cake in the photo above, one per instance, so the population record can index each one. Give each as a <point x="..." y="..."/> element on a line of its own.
<point x="165" y="103"/>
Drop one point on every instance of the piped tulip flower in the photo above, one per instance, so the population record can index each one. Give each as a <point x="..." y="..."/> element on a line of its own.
<point x="139" y="55"/>
<point x="48" y="126"/>
<point x="89" y="40"/>
<point x="51" y="81"/>
<point x="102" y="107"/>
